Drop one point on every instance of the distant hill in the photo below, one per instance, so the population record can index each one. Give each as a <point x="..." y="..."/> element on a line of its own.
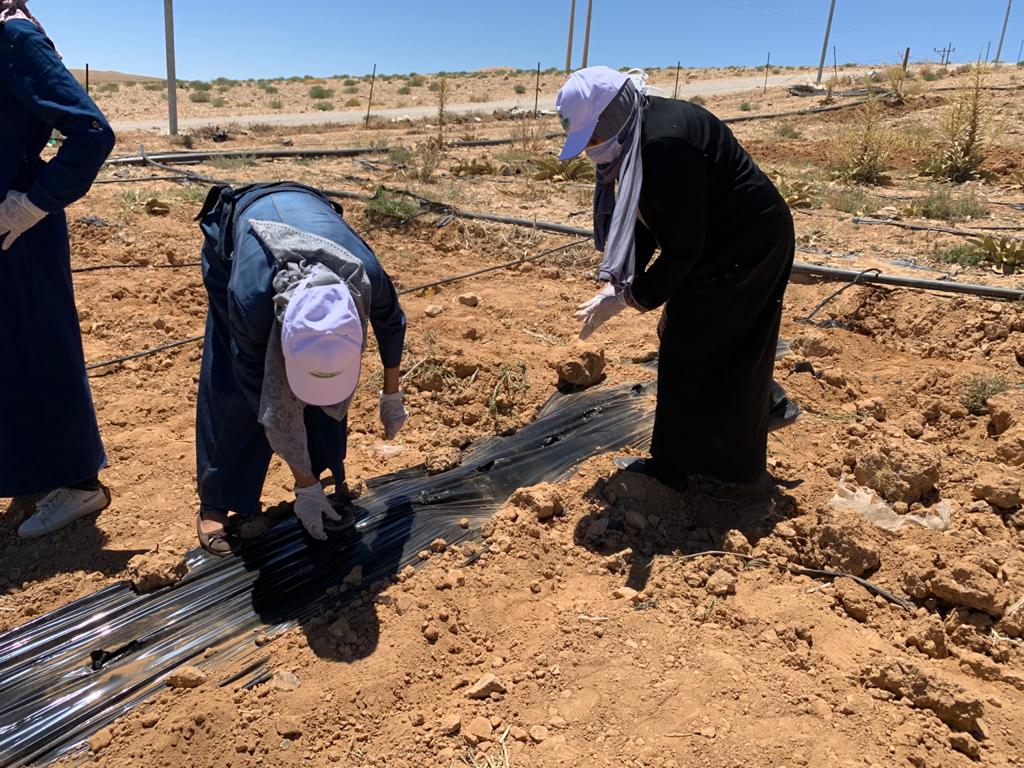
<point x="99" y="76"/>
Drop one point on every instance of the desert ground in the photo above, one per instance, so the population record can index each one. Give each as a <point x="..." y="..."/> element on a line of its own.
<point x="606" y="620"/>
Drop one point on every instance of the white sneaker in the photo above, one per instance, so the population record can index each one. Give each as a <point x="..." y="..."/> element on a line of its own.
<point x="62" y="507"/>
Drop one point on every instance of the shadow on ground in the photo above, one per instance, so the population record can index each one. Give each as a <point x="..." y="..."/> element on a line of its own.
<point x="645" y="519"/>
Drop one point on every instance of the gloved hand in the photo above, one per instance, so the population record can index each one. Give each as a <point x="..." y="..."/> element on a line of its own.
<point x="17" y="216"/>
<point x="311" y="504"/>
<point x="600" y="309"/>
<point x="392" y="413"/>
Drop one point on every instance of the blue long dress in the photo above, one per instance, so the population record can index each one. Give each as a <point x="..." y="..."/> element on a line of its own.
<point x="48" y="432"/>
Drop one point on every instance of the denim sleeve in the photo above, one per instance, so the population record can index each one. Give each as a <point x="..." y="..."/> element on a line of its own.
<point x="45" y="89"/>
<point x="251" y="318"/>
<point x="386" y="315"/>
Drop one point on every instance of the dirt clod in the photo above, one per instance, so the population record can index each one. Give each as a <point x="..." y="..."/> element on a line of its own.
<point x="478" y="729"/>
<point x="948" y="700"/>
<point x="583" y="369"/>
<point x="542" y="500"/>
<point x="154" y="570"/>
<point x="186" y="677"/>
<point x="721" y="583"/>
<point x="968" y="584"/>
<point x="101" y="740"/>
<point x="900" y="469"/>
<point x="1000" y="486"/>
<point x="854" y="599"/>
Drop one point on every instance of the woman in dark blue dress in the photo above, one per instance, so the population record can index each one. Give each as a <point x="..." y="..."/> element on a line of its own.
<point x="49" y="439"/>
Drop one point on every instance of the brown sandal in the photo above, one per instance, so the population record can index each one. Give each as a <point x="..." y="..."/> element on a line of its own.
<point x="220" y="543"/>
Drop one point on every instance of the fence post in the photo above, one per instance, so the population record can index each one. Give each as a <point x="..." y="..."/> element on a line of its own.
<point x="675" y="94"/>
<point x="369" y="101"/>
<point x="87" y="77"/>
<point x="767" y="64"/>
<point x="536" y="94"/>
<point x="906" y="59"/>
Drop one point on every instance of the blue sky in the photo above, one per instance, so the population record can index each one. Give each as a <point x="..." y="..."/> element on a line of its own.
<point x="270" y="38"/>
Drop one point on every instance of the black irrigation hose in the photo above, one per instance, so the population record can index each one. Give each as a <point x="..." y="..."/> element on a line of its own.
<point x="926" y="227"/>
<point x="280" y="154"/>
<point x="837" y="292"/>
<point x="98" y="267"/>
<point x="898" y="281"/>
<point x="144" y="353"/>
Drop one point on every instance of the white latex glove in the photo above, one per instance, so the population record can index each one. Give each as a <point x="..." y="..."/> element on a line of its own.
<point x="600" y="309"/>
<point x="392" y="414"/>
<point x="17" y="216"/>
<point x="311" y="504"/>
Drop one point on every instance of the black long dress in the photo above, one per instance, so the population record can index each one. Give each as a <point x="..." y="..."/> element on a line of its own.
<point x="726" y="244"/>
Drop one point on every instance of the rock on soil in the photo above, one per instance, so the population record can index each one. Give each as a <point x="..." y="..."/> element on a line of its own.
<point x="101" y="740"/>
<point x="999" y="485"/>
<point x="485" y="686"/>
<point x="433" y="310"/>
<point x="899" y="469"/>
<point x="154" y="570"/>
<point x="850" y="546"/>
<point x="928" y="636"/>
<point x="443" y="459"/>
<point x="478" y="729"/>
<point x="854" y="599"/>
<point x="815" y="343"/>
<point x="968" y="584"/>
<point x="721" y="583"/>
<point x="186" y="677"/>
<point x="1005" y="410"/>
<point x="543" y="500"/>
<point x="948" y="700"/>
<point x="469" y="299"/>
<point x="583" y="369"/>
<point x="1010" y="448"/>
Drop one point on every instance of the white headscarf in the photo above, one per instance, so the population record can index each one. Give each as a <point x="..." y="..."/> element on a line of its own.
<point x="617" y="162"/>
<point x="15" y="9"/>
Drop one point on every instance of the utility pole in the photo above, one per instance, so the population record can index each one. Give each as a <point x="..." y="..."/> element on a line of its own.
<point x="824" y="46"/>
<point x="586" y="37"/>
<point x="944" y="54"/>
<point x="1002" y="36"/>
<point x="568" y="49"/>
<point x="172" y="80"/>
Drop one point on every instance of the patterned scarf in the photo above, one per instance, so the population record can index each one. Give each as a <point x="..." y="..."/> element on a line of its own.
<point x="15" y="9"/>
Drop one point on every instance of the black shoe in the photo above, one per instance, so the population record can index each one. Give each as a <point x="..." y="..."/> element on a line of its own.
<point x="783" y="411"/>
<point x="664" y="473"/>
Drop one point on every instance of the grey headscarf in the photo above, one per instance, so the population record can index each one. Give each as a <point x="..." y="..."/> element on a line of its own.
<point x="304" y="261"/>
<point x="617" y="160"/>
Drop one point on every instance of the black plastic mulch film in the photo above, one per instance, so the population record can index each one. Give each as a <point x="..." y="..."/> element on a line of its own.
<point x="66" y="674"/>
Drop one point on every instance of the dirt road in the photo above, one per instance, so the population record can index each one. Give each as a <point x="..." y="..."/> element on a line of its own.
<point x="546" y="102"/>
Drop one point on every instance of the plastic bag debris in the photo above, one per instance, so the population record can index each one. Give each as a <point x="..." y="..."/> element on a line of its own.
<point x="866" y="503"/>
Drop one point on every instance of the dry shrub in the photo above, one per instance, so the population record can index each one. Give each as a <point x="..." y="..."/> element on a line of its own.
<point x="862" y="153"/>
<point x="900" y="86"/>
<point x="963" y="133"/>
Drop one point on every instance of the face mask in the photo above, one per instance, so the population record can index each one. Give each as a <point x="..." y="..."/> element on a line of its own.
<point x="605" y="153"/>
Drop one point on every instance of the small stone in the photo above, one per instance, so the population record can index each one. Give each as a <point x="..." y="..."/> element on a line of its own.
<point x="965" y="744"/>
<point x="625" y="593"/>
<point x="469" y="299"/>
<point x="854" y="599"/>
<point x="186" y="677"/>
<point x="479" y="729"/>
<point x="438" y="545"/>
<point x="284" y="681"/>
<point x="485" y="686"/>
<point x="288" y="728"/>
<point x="149" y="720"/>
<point x="538" y="733"/>
<point x="735" y="541"/>
<point x="354" y="577"/>
<point x="464" y="523"/>
<point x="431" y="633"/>
<point x="451" y="724"/>
<point x="101" y="740"/>
<point x="471" y="334"/>
<point x="721" y="583"/>
<point x="535" y="587"/>
<point x="433" y="310"/>
<point x="518" y="733"/>
<point x="417" y="719"/>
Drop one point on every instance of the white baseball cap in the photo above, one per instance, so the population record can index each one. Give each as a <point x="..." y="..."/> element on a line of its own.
<point x="322" y="342"/>
<point x="582" y="100"/>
